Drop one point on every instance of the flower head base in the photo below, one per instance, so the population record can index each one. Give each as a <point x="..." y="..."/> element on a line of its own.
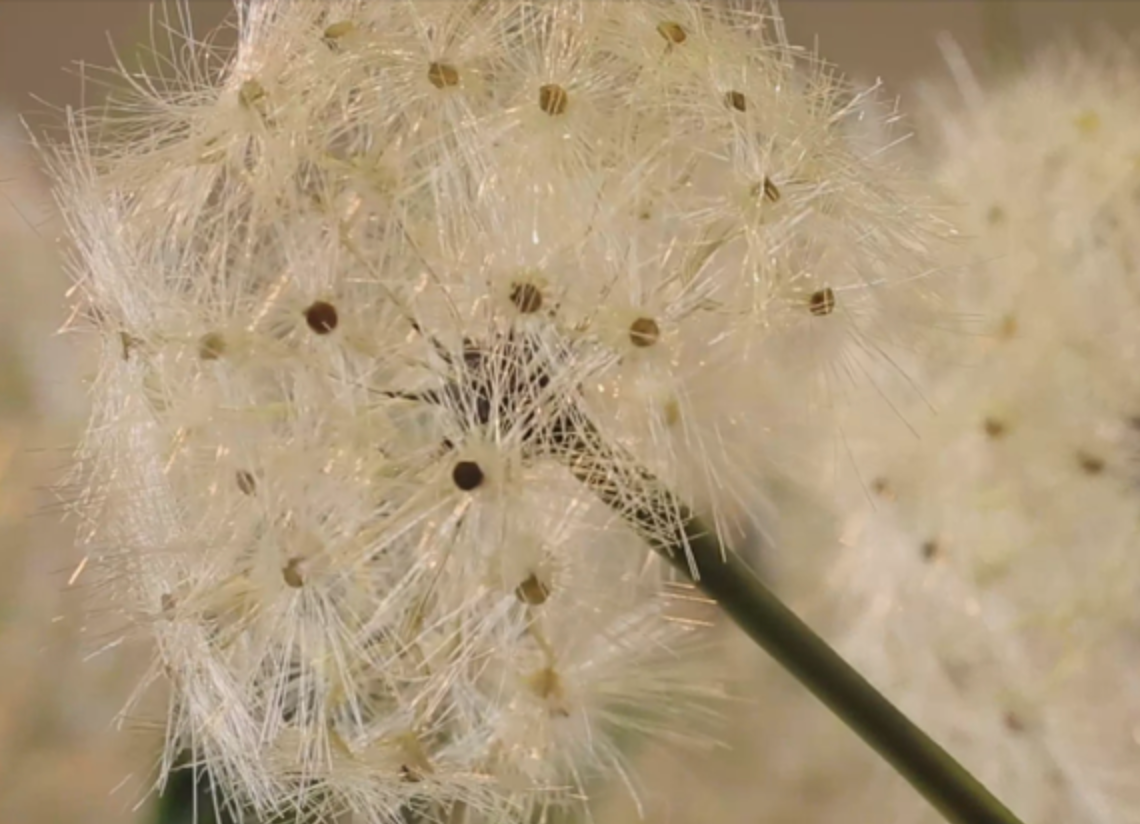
<point x="403" y="311"/>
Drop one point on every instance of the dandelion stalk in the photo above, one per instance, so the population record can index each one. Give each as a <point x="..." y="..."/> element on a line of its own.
<point x="694" y="549"/>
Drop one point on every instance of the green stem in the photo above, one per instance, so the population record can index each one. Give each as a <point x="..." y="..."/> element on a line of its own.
<point x="674" y="532"/>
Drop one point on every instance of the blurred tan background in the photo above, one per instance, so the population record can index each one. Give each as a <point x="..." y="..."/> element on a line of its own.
<point x="892" y="39"/>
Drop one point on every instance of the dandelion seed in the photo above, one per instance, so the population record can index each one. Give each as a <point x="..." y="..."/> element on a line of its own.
<point x="553" y="99"/>
<point x="127" y="344"/>
<point x="246" y="482"/>
<point x="321" y="317"/>
<point x="995" y="428"/>
<point x="526" y="297"/>
<point x="735" y="100"/>
<point x="533" y="591"/>
<point x="644" y="332"/>
<point x="291" y="572"/>
<point x="336" y="32"/>
<point x="211" y="346"/>
<point x="822" y="302"/>
<point x="674" y="33"/>
<point x="771" y="191"/>
<point x="251" y="93"/>
<point x="468" y="475"/>
<point x="1090" y="464"/>
<point x="443" y="75"/>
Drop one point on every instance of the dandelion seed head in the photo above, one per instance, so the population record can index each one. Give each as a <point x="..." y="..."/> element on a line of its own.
<point x="400" y="302"/>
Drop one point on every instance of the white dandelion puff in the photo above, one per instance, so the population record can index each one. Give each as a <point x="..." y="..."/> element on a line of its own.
<point x="410" y="314"/>
<point x="994" y="586"/>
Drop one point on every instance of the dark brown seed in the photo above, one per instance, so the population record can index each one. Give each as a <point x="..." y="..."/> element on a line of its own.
<point x="644" y="332"/>
<point x="1013" y="722"/>
<point x="246" y="482"/>
<point x="994" y="428"/>
<point x="211" y="346"/>
<point x="128" y="343"/>
<point x="822" y="302"/>
<point x="533" y="591"/>
<point x="1090" y="464"/>
<point x="526" y="297"/>
<point x="409" y="775"/>
<point x="735" y="100"/>
<point x="771" y="191"/>
<point x="931" y="550"/>
<point x="467" y="475"/>
<point x="443" y="75"/>
<point x="292" y="573"/>
<point x="321" y="317"/>
<point x="553" y="99"/>
<point x="672" y="32"/>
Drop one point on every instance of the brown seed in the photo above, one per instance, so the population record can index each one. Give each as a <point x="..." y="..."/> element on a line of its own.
<point x="546" y="683"/>
<point x="211" y="346"/>
<point x="526" y="297"/>
<point x="553" y="99"/>
<point x="931" y="550"/>
<point x="644" y="332"/>
<point x="246" y="481"/>
<point x="533" y="591"/>
<point x="994" y="428"/>
<point x="128" y="342"/>
<point x="735" y="100"/>
<point x="443" y="75"/>
<point x="292" y="573"/>
<point x="168" y="603"/>
<point x="672" y="32"/>
<point x="882" y="487"/>
<point x="1013" y="722"/>
<point x="251" y="93"/>
<point x="1090" y="464"/>
<point x="771" y="190"/>
<point x="409" y="775"/>
<point x="336" y="31"/>
<point x="467" y="475"/>
<point x="822" y="302"/>
<point x="321" y="317"/>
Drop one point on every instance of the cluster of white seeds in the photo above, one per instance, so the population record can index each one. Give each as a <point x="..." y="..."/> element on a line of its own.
<point x="996" y="583"/>
<point x="410" y="311"/>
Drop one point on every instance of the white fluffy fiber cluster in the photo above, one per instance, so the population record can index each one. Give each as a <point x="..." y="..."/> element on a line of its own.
<point x="997" y="579"/>
<point x="356" y="283"/>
